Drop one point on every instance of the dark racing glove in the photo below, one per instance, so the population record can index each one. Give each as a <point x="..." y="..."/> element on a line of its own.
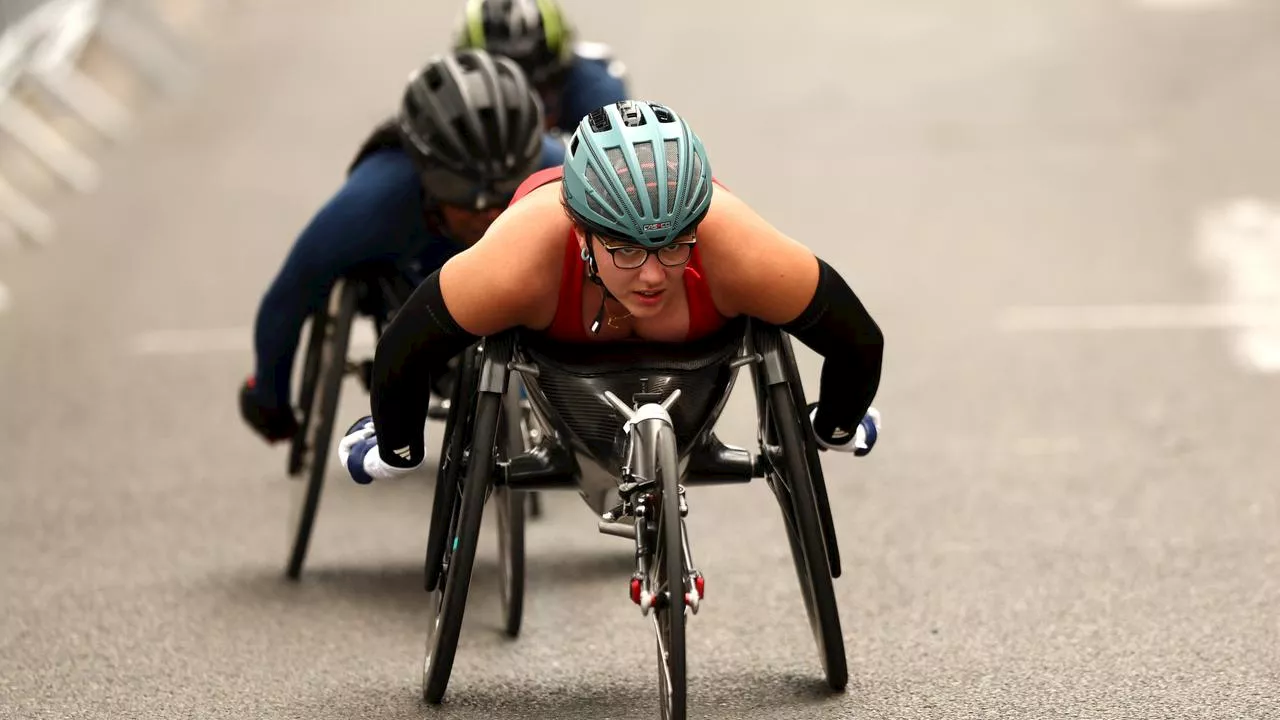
<point x="265" y="415"/>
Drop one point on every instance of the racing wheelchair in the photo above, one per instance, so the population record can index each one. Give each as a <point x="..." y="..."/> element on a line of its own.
<point x="630" y="460"/>
<point x="375" y="291"/>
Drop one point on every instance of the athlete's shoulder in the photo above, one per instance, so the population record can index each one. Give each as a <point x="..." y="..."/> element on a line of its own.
<point x="542" y="177"/>
<point x="384" y="136"/>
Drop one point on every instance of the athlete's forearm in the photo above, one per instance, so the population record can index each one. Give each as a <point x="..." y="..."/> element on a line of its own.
<point x="420" y="341"/>
<point x="837" y="326"/>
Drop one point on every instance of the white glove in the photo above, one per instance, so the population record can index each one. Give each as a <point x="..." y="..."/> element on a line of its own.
<point x="864" y="437"/>
<point x="358" y="451"/>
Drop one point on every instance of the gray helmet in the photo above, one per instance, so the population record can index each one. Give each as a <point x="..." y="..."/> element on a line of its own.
<point x="473" y="124"/>
<point x="636" y="171"/>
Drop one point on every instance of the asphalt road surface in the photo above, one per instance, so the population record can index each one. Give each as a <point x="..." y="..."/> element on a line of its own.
<point x="1072" y="512"/>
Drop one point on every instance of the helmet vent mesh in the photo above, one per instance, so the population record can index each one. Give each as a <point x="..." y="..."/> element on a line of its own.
<point x="624" y="176"/>
<point x="671" y="148"/>
<point x="597" y="208"/>
<point x="648" y="173"/>
<point x="594" y="182"/>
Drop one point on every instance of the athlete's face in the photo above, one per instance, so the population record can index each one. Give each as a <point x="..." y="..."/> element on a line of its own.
<point x="641" y="280"/>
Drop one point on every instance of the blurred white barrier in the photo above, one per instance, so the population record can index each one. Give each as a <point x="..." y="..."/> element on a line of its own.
<point x="53" y="66"/>
<point x="42" y="50"/>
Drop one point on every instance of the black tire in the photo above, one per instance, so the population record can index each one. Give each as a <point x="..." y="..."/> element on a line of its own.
<point x="794" y="489"/>
<point x="816" y="475"/>
<point x="449" y="600"/>
<point x="669" y="618"/>
<point x="510" y="506"/>
<point x="329" y="373"/>
<point x="307" y="390"/>
<point x="457" y="431"/>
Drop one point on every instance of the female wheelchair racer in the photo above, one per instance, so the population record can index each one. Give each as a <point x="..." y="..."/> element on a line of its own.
<point x="687" y="259"/>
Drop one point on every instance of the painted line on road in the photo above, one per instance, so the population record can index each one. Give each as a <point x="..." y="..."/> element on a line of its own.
<point x="5" y="298"/>
<point x="1187" y="4"/>
<point x="1050" y="318"/>
<point x="192" y="342"/>
<point x="207" y="341"/>
<point x="1255" y="341"/>
<point x="1238" y="244"/>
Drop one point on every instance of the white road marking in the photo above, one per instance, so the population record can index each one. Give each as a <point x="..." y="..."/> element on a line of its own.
<point x="5" y="301"/>
<point x="1186" y="4"/>
<point x="207" y="341"/>
<point x="1049" y="318"/>
<point x="1239" y="243"/>
<point x="192" y="342"/>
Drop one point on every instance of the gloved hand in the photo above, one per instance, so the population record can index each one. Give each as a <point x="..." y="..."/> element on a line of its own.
<point x="265" y="415"/>
<point x="864" y="437"/>
<point x="358" y="451"/>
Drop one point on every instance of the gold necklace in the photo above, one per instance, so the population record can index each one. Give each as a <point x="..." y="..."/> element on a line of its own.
<point x="610" y="319"/>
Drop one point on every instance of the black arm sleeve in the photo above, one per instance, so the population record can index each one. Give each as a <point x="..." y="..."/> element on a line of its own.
<point x="419" y="341"/>
<point x="836" y="326"/>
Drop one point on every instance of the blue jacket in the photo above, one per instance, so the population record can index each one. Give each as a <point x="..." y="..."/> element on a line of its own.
<point x="588" y="84"/>
<point x="378" y="215"/>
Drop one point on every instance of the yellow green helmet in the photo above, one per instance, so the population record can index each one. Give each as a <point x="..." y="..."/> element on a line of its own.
<point x="534" y="33"/>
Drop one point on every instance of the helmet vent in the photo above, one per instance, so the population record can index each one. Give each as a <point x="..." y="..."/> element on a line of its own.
<point x="648" y="174"/>
<point x="595" y="183"/>
<point x="664" y="115"/>
<point x="630" y="112"/>
<point x="671" y="148"/>
<point x="434" y="78"/>
<point x="623" y="173"/>
<point x="599" y="121"/>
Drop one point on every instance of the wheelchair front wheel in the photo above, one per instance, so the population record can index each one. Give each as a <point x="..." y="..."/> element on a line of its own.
<point x="670" y="616"/>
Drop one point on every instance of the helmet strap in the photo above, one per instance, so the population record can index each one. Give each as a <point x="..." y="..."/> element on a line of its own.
<point x="589" y="256"/>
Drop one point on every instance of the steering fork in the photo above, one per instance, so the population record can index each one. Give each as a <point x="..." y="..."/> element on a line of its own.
<point x="641" y="590"/>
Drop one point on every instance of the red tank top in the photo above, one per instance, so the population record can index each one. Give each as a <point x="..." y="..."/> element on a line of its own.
<point x="567" y="326"/>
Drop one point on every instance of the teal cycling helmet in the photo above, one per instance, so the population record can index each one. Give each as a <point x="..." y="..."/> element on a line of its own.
<point x="615" y="186"/>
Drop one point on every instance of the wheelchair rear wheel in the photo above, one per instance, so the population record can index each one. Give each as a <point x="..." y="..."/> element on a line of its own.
<point x="306" y="390"/>
<point x="456" y="526"/>
<point x="816" y="476"/>
<point x="449" y="599"/>
<point x="330" y="368"/>
<point x="510" y="505"/>
<point x="449" y="473"/>
<point x="792" y="485"/>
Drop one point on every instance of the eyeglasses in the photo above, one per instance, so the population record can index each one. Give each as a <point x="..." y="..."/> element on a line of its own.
<point x="630" y="257"/>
